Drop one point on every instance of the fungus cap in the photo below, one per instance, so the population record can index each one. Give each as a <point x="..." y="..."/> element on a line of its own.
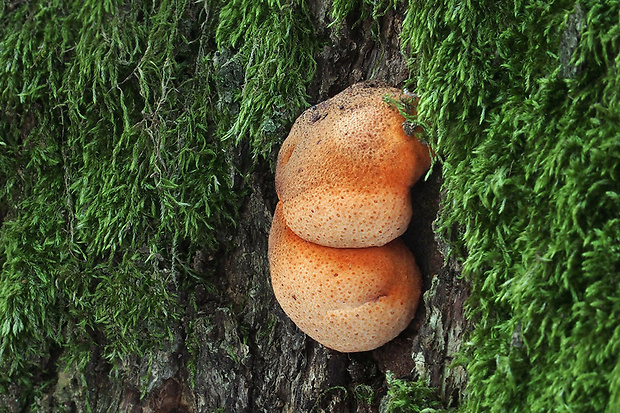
<point x="349" y="300"/>
<point x="344" y="173"/>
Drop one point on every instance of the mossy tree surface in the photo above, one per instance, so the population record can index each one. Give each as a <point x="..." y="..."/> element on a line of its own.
<point x="128" y="126"/>
<point x="524" y="99"/>
<point x="123" y="130"/>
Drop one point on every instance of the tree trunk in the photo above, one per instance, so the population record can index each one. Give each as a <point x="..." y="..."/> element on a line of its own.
<point x="236" y="351"/>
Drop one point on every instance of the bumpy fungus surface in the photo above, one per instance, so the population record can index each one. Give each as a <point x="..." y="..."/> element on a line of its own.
<point x="344" y="172"/>
<point x="348" y="299"/>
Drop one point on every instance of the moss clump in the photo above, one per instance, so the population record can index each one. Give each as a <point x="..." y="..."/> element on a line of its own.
<point x="523" y="97"/>
<point x="274" y="44"/>
<point x="364" y="9"/>
<point x="410" y="396"/>
<point x="116" y="162"/>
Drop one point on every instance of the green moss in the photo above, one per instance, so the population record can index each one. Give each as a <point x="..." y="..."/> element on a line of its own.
<point x="122" y="151"/>
<point x="530" y="150"/>
<point x="362" y="10"/>
<point x="117" y="163"/>
<point x="275" y="42"/>
<point x="411" y="396"/>
<point x="364" y="394"/>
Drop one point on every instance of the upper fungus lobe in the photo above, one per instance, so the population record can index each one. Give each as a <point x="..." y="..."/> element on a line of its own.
<point x="345" y="170"/>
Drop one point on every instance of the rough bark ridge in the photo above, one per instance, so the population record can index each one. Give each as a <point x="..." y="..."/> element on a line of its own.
<point x="236" y="351"/>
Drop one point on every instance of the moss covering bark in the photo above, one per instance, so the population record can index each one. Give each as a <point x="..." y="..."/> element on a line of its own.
<point x="128" y="128"/>
<point x="123" y="146"/>
<point x="523" y="97"/>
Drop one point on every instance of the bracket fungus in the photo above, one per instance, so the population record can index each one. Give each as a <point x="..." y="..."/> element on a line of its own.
<point x="345" y="171"/>
<point x="348" y="299"/>
<point x="343" y="180"/>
